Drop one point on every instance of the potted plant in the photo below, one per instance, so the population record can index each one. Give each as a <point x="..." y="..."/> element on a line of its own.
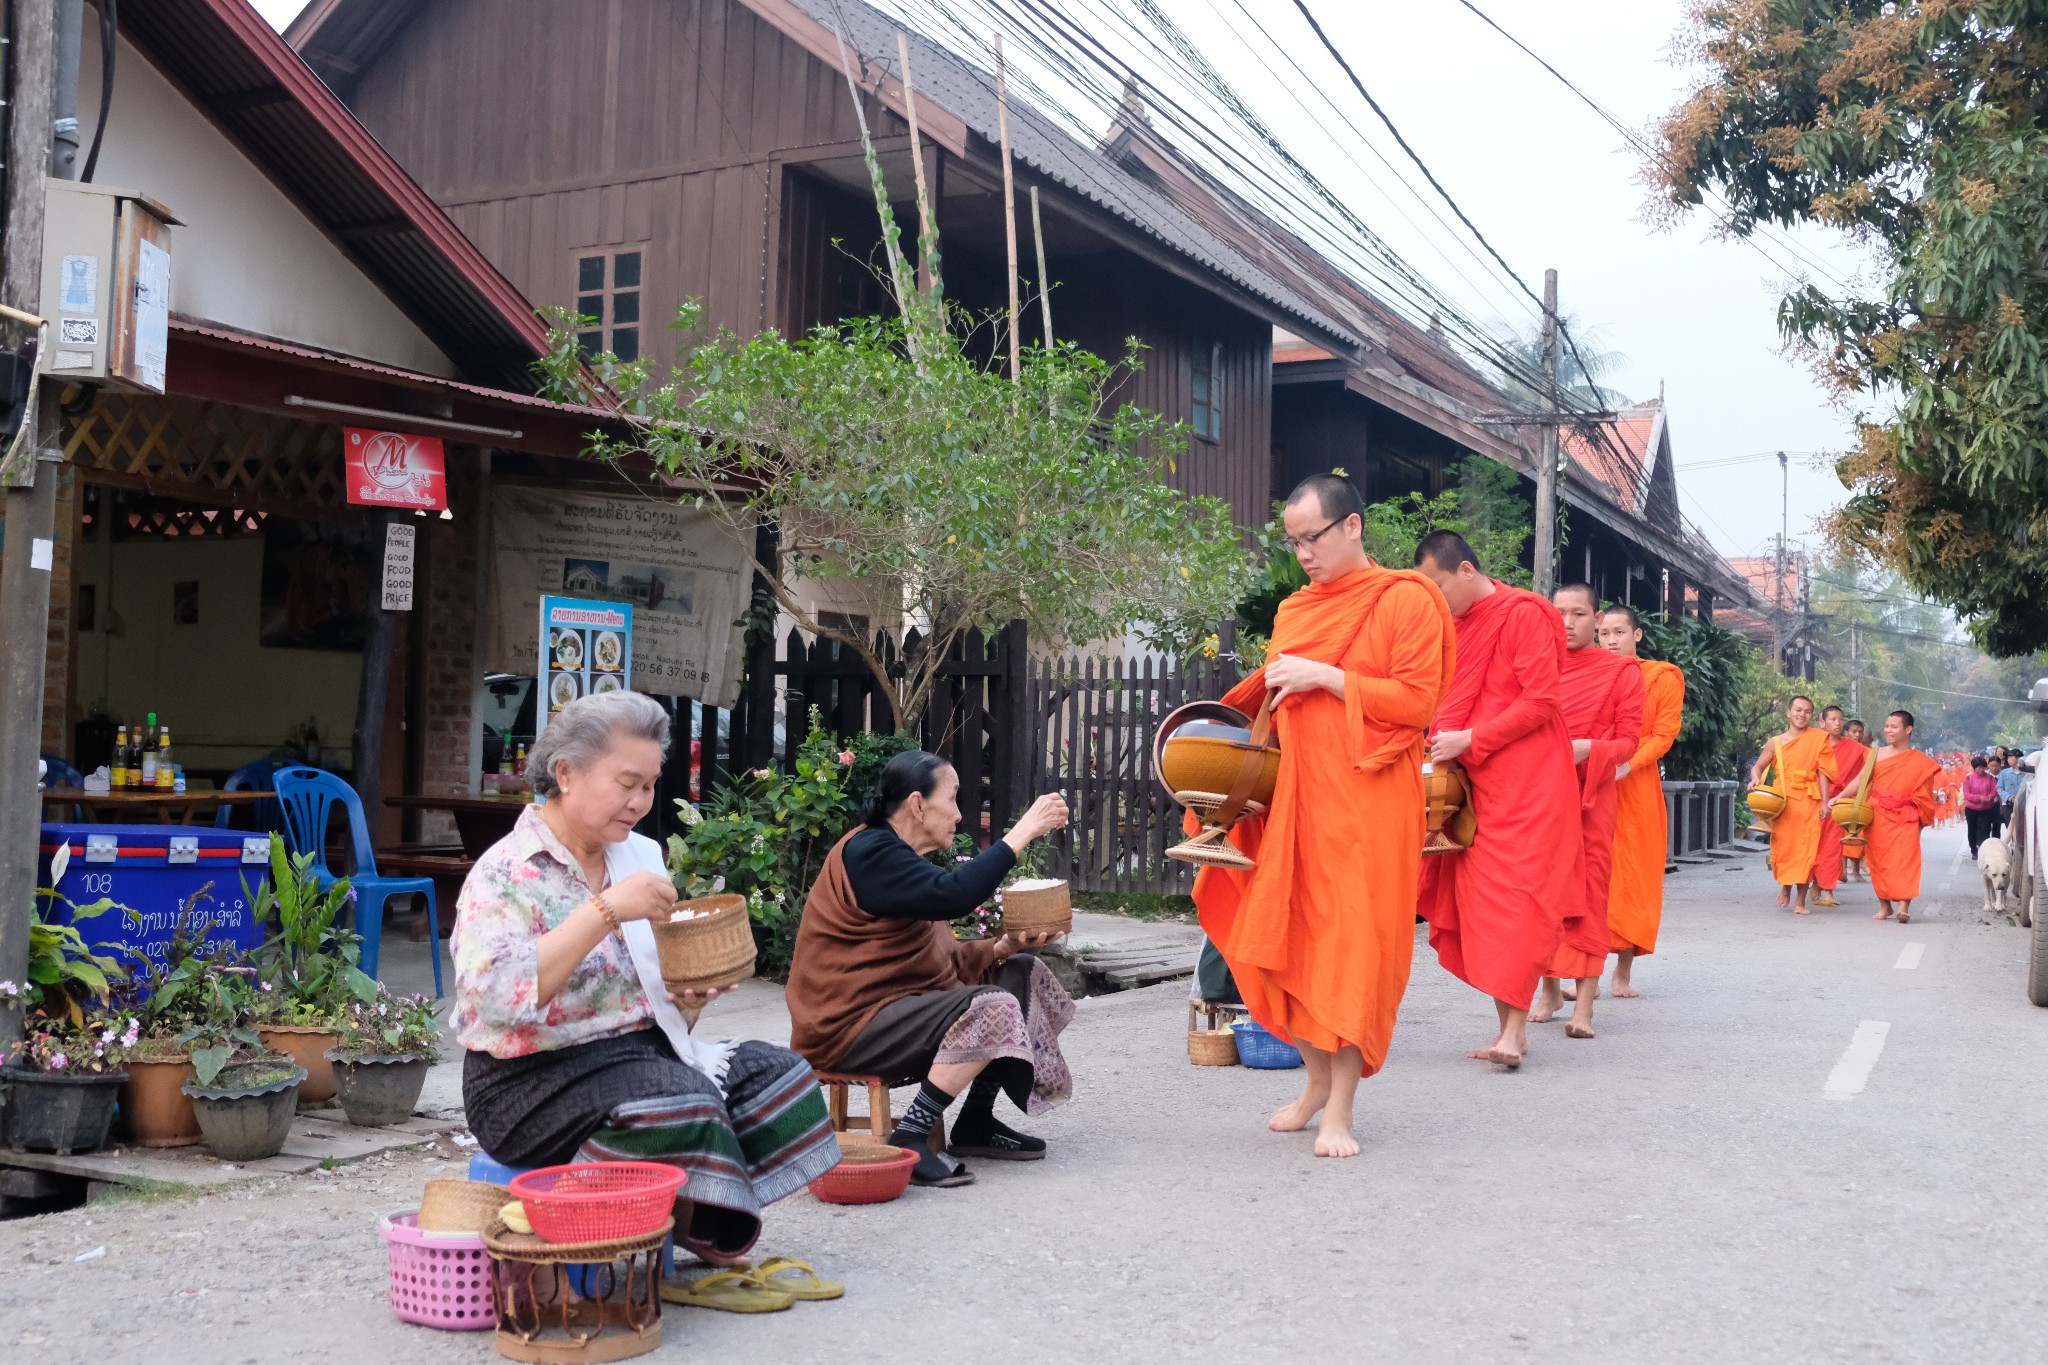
<point x="61" y="1079"/>
<point x="243" y="1094"/>
<point x="386" y="1047"/>
<point x="167" y="997"/>
<point x="307" y="972"/>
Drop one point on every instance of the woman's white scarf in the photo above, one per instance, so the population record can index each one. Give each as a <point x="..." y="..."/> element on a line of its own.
<point x="638" y="853"/>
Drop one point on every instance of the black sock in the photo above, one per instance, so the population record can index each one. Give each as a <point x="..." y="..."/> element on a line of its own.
<point x="925" y="1110"/>
<point x="978" y="1115"/>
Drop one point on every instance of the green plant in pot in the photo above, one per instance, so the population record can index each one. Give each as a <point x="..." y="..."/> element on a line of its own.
<point x="61" y="1079"/>
<point x="167" y="996"/>
<point x="307" y="975"/>
<point x="387" y="1046"/>
<point x="243" y="1094"/>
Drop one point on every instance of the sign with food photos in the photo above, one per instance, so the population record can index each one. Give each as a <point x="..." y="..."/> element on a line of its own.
<point x="586" y="648"/>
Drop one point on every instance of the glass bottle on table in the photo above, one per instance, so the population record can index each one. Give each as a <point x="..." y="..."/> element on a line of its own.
<point x="118" y="770"/>
<point x="147" y="777"/>
<point x="166" y="770"/>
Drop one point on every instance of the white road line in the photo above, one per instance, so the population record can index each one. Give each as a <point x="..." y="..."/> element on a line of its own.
<point x="1909" y="958"/>
<point x="1845" y="1082"/>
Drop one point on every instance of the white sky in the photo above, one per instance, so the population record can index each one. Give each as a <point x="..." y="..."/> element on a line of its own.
<point x="1552" y="185"/>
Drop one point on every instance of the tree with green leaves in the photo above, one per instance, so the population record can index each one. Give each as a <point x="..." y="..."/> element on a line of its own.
<point x="1921" y="130"/>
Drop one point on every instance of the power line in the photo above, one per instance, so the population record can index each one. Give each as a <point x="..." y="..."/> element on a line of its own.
<point x="1948" y="692"/>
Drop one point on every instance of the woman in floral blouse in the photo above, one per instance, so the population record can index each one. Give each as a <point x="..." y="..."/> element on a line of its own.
<point x="575" y="1049"/>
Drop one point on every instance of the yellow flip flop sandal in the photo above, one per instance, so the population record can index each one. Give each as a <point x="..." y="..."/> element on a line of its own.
<point x="788" y="1275"/>
<point x="729" y="1291"/>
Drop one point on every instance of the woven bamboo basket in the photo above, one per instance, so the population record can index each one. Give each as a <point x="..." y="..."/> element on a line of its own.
<point x="1038" y="907"/>
<point x="460" y="1205"/>
<point x="1212" y="1047"/>
<point x="710" y="952"/>
<point x="1447" y="797"/>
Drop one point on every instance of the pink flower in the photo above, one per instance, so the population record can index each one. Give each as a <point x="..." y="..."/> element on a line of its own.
<point x="846" y="758"/>
<point x="58" y="1062"/>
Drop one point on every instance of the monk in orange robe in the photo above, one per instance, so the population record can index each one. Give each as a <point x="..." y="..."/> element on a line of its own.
<point x="1603" y="713"/>
<point x="1320" y="934"/>
<point x="1805" y="768"/>
<point x="1849" y="756"/>
<point x="1498" y="909"/>
<point x="1852" y="858"/>
<point x="1635" y="893"/>
<point x="1901" y="805"/>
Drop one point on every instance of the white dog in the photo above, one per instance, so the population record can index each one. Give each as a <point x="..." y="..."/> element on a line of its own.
<point x="1994" y="864"/>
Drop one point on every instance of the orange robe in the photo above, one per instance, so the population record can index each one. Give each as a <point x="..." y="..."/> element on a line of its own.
<point x="1642" y="836"/>
<point x="1498" y="909"/>
<point x="1901" y="805"/>
<point x="1320" y="934"/>
<point x="1603" y="703"/>
<point x="1795" y="833"/>
<point x="1827" y="862"/>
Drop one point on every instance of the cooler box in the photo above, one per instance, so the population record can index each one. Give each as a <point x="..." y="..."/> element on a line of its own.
<point x="153" y="870"/>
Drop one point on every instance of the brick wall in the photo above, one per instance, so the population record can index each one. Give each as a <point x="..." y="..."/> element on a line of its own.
<point x="447" y="611"/>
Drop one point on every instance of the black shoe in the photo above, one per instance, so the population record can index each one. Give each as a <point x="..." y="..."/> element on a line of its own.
<point x="937" y="1172"/>
<point x="999" y="1143"/>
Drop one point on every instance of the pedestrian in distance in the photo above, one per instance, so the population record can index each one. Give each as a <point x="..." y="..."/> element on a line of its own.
<point x="1980" y="802"/>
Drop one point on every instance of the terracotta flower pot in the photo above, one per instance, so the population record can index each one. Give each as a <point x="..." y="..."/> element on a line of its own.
<point x="377" y="1092"/>
<point x="308" y="1047"/>
<point x="249" y="1123"/>
<point x="157" y="1112"/>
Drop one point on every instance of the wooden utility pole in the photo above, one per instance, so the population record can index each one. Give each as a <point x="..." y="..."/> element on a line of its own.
<point x="1009" y="208"/>
<point x="1545" y="575"/>
<point x="42" y="142"/>
<point x="1044" y="283"/>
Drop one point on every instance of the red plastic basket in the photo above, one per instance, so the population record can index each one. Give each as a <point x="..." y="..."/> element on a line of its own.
<point x="598" y="1201"/>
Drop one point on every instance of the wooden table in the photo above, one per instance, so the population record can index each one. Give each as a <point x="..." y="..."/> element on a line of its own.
<point x="480" y="821"/>
<point x="143" y="807"/>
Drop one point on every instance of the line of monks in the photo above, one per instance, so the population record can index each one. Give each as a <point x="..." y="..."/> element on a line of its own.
<point x="1557" y="726"/>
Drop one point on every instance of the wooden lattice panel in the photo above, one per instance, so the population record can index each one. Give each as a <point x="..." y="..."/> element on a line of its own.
<point x="209" y="452"/>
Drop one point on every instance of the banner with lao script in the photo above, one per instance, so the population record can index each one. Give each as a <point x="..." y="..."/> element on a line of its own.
<point x="585" y="647"/>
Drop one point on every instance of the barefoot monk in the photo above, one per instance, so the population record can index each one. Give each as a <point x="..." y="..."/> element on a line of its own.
<point x="1498" y="909"/>
<point x="1849" y="758"/>
<point x="1603" y="713"/>
<point x="1901" y="805"/>
<point x="1635" y="891"/>
<point x="1319" y="935"/>
<point x="1805" y="767"/>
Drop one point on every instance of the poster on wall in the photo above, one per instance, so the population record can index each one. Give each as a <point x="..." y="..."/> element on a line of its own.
<point x="393" y="469"/>
<point x="678" y="568"/>
<point x="585" y="647"/>
<point x="316" y="585"/>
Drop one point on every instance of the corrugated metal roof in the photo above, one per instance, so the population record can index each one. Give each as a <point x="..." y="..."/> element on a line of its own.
<point x="257" y="90"/>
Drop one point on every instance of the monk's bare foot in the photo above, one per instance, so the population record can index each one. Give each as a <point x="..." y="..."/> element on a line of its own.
<point x="1549" y="999"/>
<point x="1622" y="990"/>
<point x="1884" y="910"/>
<point x="1294" y="1117"/>
<point x="1578" y="1030"/>
<point x="1801" y="910"/>
<point x="1333" y="1138"/>
<point x="1503" y="1056"/>
<point x="1784" y="897"/>
<point x="1905" y="914"/>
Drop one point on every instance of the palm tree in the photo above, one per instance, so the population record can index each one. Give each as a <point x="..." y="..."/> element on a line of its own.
<point x="1580" y="368"/>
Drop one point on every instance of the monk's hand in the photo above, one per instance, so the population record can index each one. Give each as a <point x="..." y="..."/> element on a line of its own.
<point x="644" y="895"/>
<point x="1621" y="772"/>
<point x="1449" y="744"/>
<point x="1289" y="675"/>
<point x="1580" y="748"/>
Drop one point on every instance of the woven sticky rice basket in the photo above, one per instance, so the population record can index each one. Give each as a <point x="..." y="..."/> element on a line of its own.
<point x="460" y="1205"/>
<point x="1448" y="809"/>
<point x="1037" y="907"/>
<point x="1212" y="1047"/>
<point x="710" y="952"/>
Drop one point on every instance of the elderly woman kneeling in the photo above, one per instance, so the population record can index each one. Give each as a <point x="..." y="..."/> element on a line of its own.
<point x="576" y="1051"/>
<point x="881" y="987"/>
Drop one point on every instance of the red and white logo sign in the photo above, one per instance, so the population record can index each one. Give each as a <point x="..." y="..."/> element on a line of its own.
<point x="392" y="469"/>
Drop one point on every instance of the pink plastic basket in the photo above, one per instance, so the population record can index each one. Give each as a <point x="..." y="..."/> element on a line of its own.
<point x="438" y="1279"/>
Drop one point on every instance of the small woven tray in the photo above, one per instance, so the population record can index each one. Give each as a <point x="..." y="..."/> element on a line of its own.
<point x="507" y="1245"/>
<point x="460" y="1205"/>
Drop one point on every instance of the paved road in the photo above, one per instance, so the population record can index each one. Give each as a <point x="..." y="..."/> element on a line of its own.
<point x="1686" y="1187"/>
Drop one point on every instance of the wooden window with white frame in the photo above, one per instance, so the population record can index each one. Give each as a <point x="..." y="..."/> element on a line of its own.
<point x="609" y="292"/>
<point x="1205" y="389"/>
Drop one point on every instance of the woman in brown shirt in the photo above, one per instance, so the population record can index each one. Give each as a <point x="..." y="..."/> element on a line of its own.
<point x="880" y="986"/>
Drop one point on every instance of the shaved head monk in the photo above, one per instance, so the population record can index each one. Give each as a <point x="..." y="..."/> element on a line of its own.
<point x="1901" y="805"/>
<point x="1498" y="909"/>
<point x="1849" y="758"/>
<point x="1320" y="934"/>
<point x="1635" y="891"/>
<point x="1853" y="862"/>
<point x="1603" y="713"/>
<point x="1805" y="765"/>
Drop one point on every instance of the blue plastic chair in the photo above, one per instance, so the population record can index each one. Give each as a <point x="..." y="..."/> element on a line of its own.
<point x="306" y="798"/>
<point x="58" y="773"/>
<point x="253" y="777"/>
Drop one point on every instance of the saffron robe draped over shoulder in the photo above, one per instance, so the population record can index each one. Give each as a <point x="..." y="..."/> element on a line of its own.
<point x="1635" y="890"/>
<point x="1901" y="805"/>
<point x="1603" y="704"/>
<point x="1320" y="934"/>
<point x="1795" y="832"/>
<point x="1827" y="860"/>
<point x="1498" y="909"/>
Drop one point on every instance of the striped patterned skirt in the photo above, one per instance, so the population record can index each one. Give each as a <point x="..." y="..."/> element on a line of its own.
<point x="629" y="1099"/>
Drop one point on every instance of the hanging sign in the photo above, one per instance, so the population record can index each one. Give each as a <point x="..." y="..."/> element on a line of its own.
<point x="393" y="469"/>
<point x="586" y="647"/>
<point x="398" y="564"/>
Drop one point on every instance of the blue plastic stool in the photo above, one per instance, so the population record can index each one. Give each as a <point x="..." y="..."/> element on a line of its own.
<point x="494" y="1172"/>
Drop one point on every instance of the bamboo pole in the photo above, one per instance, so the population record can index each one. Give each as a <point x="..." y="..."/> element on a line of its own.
<point x="1044" y="281"/>
<point x="927" y="226"/>
<point x="1009" y="207"/>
